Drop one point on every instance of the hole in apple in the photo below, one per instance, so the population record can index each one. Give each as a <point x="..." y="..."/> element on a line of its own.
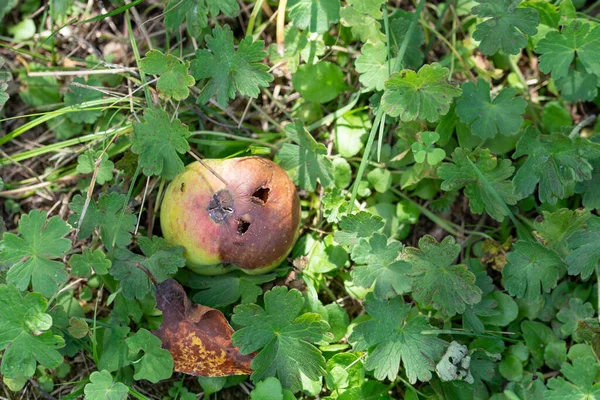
<point x="182" y="188"/>
<point x="242" y="226"/>
<point x="261" y="195"/>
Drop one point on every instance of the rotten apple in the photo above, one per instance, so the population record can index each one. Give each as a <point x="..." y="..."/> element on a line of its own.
<point x="236" y="213"/>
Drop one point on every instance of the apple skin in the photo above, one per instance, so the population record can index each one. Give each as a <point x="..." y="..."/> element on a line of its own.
<point x="251" y="223"/>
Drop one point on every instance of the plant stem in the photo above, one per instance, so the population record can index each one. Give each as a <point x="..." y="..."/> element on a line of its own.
<point x="588" y="121"/>
<point x="366" y="156"/>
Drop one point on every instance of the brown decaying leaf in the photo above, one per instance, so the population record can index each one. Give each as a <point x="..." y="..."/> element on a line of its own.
<point x="198" y="337"/>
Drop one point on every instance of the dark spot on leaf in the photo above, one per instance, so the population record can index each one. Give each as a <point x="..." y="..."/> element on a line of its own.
<point x="261" y="195"/>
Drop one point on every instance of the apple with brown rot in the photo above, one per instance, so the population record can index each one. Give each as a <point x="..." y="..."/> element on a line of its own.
<point x="239" y="213"/>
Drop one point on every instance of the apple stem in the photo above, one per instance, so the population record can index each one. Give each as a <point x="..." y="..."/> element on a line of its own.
<point x="205" y="165"/>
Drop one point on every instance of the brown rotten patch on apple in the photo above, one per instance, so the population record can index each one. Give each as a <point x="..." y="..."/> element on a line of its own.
<point x="243" y="212"/>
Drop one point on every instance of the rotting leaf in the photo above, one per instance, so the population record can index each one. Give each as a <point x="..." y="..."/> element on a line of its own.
<point x="198" y="337"/>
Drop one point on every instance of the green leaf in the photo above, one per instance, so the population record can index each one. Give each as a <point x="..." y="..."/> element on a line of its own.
<point x="555" y="116"/>
<point x="531" y="270"/>
<point x="156" y="364"/>
<point x="578" y="85"/>
<point x="436" y="281"/>
<point x="6" y="6"/>
<point x="82" y="264"/>
<point x="22" y="31"/>
<point x="3" y="95"/>
<point x="425" y="151"/>
<point x="229" y="71"/>
<point x="356" y="226"/>
<point x="555" y="229"/>
<point x="590" y="189"/>
<point x="270" y="389"/>
<point x="506" y="28"/>
<point x="487" y="307"/>
<point x="223" y="290"/>
<point x="174" y="79"/>
<point x="102" y="387"/>
<point x="362" y="17"/>
<point x="298" y="45"/>
<point x="373" y="66"/>
<point x="24" y="334"/>
<point x="159" y="141"/>
<point x="335" y="205"/>
<point x="115" y="352"/>
<point x="554" y="161"/>
<point x="38" y="91"/>
<point x="307" y="161"/>
<point x="481" y="193"/>
<point x="107" y="214"/>
<point x="320" y="83"/>
<point x="537" y="336"/>
<point x="344" y="371"/>
<point x="586" y="252"/>
<point x="377" y="263"/>
<point x="380" y="179"/>
<point x="195" y="12"/>
<point x="282" y="337"/>
<point x="558" y="49"/>
<point x="490" y="117"/>
<point x="213" y="384"/>
<point x="414" y="95"/>
<point x="511" y="368"/>
<point x="161" y="260"/>
<point x="575" y="311"/>
<point x="400" y="22"/>
<point x="580" y="383"/>
<point x="78" y="95"/>
<point x="86" y="164"/>
<point x="393" y="337"/>
<point x="33" y="253"/>
<point x="314" y="15"/>
<point x="78" y="328"/>
<point x="350" y="133"/>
